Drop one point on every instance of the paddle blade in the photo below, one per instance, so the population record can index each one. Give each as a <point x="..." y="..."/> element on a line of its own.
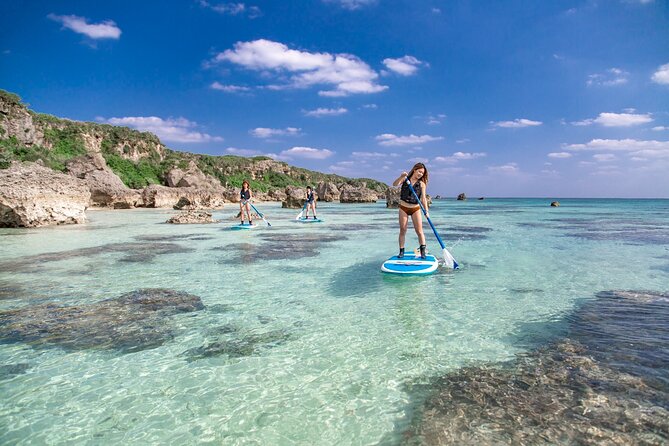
<point x="449" y="261"/>
<point x="299" y="215"/>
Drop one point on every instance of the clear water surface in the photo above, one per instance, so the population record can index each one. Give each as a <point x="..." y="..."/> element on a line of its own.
<point x="332" y="349"/>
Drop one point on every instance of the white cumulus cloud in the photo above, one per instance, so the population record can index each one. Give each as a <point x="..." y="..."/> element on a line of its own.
<point x="233" y="9"/>
<point x="506" y="168"/>
<point x="229" y="88"/>
<point x="388" y="139"/>
<point x="609" y="78"/>
<point x="635" y="148"/>
<point x="264" y="132"/>
<point x="351" y="5"/>
<point x="171" y="129"/>
<point x="559" y="155"/>
<point x="516" y="123"/>
<point x="405" y="66"/>
<point x="622" y="119"/>
<point x="604" y="157"/>
<point x="345" y="73"/>
<point x="307" y="152"/>
<point x="325" y="112"/>
<point x="460" y="156"/>
<point x="103" y="30"/>
<point x="661" y="76"/>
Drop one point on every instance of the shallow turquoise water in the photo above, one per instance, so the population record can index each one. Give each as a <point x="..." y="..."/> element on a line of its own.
<point x="343" y="346"/>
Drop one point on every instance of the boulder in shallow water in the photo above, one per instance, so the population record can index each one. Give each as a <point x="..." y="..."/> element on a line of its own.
<point x="192" y="217"/>
<point x="295" y="197"/>
<point x="357" y="194"/>
<point x="462" y="197"/>
<point x="393" y="197"/>
<point x="327" y="191"/>
<point x="32" y="195"/>
<point x="132" y="322"/>
<point x="555" y="204"/>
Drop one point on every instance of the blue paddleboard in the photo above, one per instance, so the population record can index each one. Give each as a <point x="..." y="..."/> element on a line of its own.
<point x="244" y="226"/>
<point x="410" y="264"/>
<point x="309" y="220"/>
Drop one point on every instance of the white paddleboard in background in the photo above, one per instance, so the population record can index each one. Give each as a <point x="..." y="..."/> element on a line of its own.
<point x="410" y="264"/>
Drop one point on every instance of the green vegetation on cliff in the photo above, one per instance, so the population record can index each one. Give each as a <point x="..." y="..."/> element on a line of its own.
<point x="138" y="158"/>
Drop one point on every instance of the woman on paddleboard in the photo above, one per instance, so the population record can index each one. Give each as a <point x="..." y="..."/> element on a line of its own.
<point x="245" y="197"/>
<point x="311" y="202"/>
<point x="409" y="206"/>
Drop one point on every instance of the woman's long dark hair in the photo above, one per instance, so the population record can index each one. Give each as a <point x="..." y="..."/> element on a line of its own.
<point x="248" y="186"/>
<point x="416" y="166"/>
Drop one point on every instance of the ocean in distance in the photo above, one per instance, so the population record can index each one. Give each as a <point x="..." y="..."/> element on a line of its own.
<point x="127" y="330"/>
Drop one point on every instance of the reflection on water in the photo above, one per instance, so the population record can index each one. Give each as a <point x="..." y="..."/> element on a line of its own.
<point x="290" y="334"/>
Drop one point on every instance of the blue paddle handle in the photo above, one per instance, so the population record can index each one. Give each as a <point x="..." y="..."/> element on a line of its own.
<point x="425" y="213"/>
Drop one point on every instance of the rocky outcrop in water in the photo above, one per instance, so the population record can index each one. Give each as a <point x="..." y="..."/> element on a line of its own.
<point x="327" y="191"/>
<point x="132" y="322"/>
<point x="393" y="197"/>
<point x="555" y="204"/>
<point x="295" y="197"/>
<point x="191" y="217"/>
<point x="462" y="197"/>
<point x="605" y="383"/>
<point x="32" y="195"/>
<point x="107" y="189"/>
<point x="357" y="194"/>
<point x="156" y="196"/>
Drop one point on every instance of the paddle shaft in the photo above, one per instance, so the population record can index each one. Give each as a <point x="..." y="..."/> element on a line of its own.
<point x="257" y="212"/>
<point x="436" y="234"/>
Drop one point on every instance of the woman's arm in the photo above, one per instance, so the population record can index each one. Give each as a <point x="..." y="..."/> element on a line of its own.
<point x="400" y="179"/>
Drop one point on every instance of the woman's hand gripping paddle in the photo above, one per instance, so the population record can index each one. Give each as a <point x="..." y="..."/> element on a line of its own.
<point x="449" y="261"/>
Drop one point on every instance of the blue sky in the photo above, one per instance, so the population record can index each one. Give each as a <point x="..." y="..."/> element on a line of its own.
<point x="513" y="98"/>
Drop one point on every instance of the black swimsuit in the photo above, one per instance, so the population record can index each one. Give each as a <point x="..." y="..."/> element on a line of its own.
<point x="245" y="195"/>
<point x="407" y="196"/>
<point x="310" y="197"/>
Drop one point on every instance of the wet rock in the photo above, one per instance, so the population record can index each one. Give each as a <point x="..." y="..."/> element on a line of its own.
<point x="32" y="195"/>
<point x="192" y="217"/>
<point x="132" y="322"/>
<point x="604" y="383"/>
<point x="357" y="194"/>
<point x="295" y="197"/>
<point x="327" y="191"/>
<point x="555" y="204"/>
<point x="462" y="197"/>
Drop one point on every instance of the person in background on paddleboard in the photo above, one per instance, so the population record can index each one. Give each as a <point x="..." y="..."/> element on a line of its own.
<point x="245" y="197"/>
<point x="311" y="202"/>
<point x="409" y="207"/>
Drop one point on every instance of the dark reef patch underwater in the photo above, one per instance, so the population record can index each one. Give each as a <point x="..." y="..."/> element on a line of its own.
<point x="132" y="322"/>
<point x="605" y="382"/>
